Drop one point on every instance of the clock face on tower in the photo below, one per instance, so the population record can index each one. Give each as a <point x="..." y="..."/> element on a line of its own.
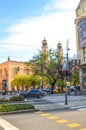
<point x="84" y="7"/>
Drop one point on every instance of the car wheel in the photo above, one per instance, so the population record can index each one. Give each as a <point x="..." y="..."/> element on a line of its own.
<point x="39" y="96"/>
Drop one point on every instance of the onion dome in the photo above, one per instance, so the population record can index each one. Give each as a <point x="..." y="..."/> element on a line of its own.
<point x="59" y="45"/>
<point x="44" y="42"/>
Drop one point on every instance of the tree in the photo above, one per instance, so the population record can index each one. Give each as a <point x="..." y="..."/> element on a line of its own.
<point x="25" y="82"/>
<point x="47" y="66"/>
<point x="75" y="80"/>
<point x="21" y="81"/>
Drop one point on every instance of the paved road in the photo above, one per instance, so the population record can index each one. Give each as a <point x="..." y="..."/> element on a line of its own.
<point x="52" y="102"/>
<point x="54" y="114"/>
<point x="57" y="120"/>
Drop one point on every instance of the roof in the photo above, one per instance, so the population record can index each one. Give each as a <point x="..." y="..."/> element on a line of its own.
<point x="79" y="4"/>
<point x="11" y="62"/>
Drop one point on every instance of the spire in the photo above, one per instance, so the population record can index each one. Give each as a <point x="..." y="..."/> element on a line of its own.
<point x="59" y="45"/>
<point x="44" y="39"/>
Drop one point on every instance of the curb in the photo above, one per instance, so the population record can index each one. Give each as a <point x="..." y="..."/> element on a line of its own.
<point x="20" y="111"/>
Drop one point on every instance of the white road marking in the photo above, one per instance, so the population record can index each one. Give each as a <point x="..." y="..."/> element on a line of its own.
<point x="6" y="125"/>
<point x="82" y="109"/>
<point x="77" y="107"/>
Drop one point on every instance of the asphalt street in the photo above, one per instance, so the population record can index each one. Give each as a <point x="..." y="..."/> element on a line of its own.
<point x="57" y="120"/>
<point x="57" y="102"/>
<point x="53" y="114"/>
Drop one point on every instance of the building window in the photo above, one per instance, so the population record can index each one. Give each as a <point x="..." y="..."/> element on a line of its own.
<point x="16" y="70"/>
<point x="44" y="50"/>
<point x="83" y="70"/>
<point x="26" y="71"/>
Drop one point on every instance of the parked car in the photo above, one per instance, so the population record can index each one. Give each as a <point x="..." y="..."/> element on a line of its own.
<point x="72" y="88"/>
<point x="75" y="88"/>
<point x="32" y="93"/>
<point x="47" y="90"/>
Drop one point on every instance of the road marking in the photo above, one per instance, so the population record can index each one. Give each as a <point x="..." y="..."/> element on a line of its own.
<point x="6" y="125"/>
<point x="73" y="125"/>
<point x="62" y="121"/>
<point x="45" y="114"/>
<point x="77" y="107"/>
<point x="83" y="129"/>
<point x="52" y="117"/>
<point x="81" y="109"/>
<point x="39" y="112"/>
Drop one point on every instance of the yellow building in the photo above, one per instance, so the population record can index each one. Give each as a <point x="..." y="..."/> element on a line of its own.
<point x="8" y="70"/>
<point x="80" y="23"/>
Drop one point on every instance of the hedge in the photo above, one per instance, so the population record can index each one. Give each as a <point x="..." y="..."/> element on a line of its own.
<point x="15" y="107"/>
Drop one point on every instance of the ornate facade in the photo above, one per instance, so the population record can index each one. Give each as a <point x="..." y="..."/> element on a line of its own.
<point x="80" y="23"/>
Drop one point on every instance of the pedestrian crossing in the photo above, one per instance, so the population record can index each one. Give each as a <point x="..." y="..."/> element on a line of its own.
<point x="60" y="99"/>
<point x="80" y="108"/>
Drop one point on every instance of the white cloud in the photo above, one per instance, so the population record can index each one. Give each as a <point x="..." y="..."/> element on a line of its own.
<point x="55" y="26"/>
<point x="61" y="5"/>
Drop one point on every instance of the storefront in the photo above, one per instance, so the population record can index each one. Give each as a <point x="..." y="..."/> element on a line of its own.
<point x="83" y="77"/>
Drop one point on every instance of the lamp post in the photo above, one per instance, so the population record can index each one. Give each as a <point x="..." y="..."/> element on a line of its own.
<point x="41" y="69"/>
<point x="67" y="49"/>
<point x="65" y="68"/>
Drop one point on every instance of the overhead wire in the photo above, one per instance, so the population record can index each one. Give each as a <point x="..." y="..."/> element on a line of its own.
<point x="7" y="44"/>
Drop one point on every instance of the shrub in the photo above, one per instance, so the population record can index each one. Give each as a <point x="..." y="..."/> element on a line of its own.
<point x="15" y="107"/>
<point x="3" y="100"/>
<point x="16" y="98"/>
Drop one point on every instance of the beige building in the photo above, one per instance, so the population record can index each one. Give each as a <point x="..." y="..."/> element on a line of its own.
<point x="8" y="70"/>
<point x="80" y="23"/>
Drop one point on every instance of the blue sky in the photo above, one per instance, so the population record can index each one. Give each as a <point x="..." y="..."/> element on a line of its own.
<point x="25" y="23"/>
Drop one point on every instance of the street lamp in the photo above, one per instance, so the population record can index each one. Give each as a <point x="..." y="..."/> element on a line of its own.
<point x="65" y="68"/>
<point x="67" y="75"/>
<point x="41" y="69"/>
<point x="41" y="84"/>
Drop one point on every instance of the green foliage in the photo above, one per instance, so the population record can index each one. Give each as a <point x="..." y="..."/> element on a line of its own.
<point x="16" y="98"/>
<point x="47" y="66"/>
<point x="14" y="107"/>
<point x="3" y="100"/>
<point x="27" y="81"/>
<point x="20" y="80"/>
<point x="75" y="78"/>
<point x="59" y="82"/>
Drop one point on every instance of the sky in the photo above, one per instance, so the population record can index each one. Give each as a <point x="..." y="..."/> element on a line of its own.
<point x="25" y="23"/>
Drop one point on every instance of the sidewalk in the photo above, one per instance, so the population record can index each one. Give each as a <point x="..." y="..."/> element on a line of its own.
<point x="57" y="106"/>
